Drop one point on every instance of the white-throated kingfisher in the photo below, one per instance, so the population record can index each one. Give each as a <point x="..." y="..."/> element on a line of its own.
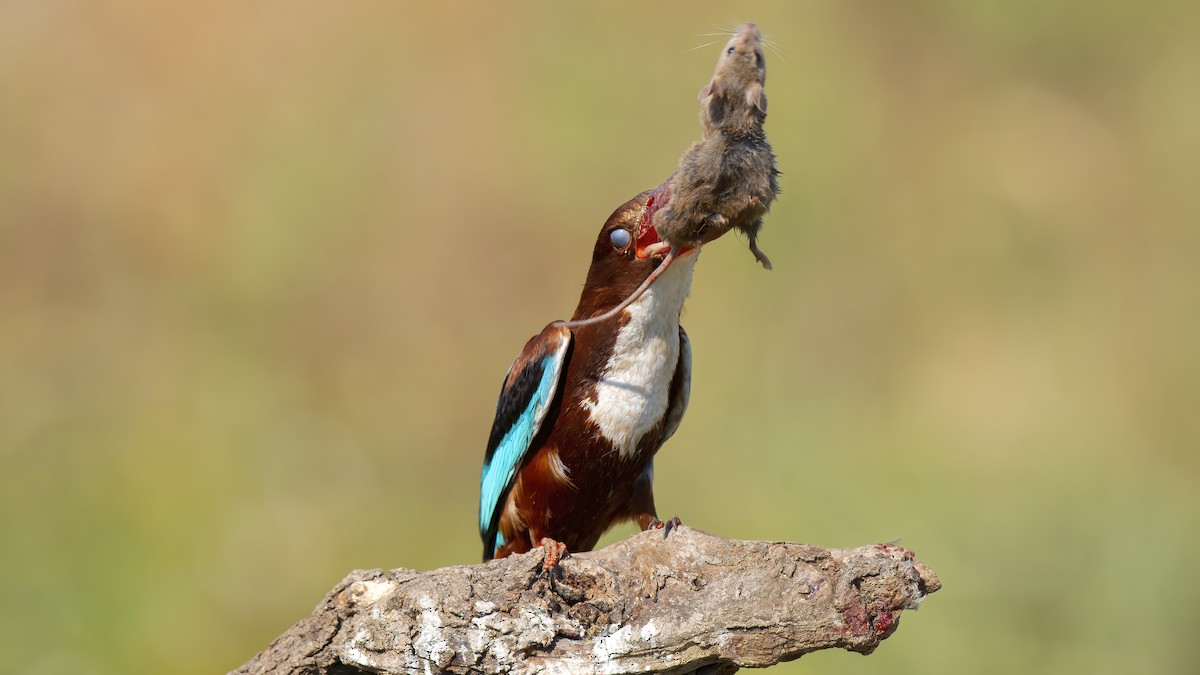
<point x="586" y="405"/>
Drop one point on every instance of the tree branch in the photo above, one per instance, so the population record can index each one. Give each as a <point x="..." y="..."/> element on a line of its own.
<point x="688" y="603"/>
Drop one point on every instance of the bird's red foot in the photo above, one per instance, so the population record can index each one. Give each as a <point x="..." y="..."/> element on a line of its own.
<point x="666" y="526"/>
<point x="555" y="551"/>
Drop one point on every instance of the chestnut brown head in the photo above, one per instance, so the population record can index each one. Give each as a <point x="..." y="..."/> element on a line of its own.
<point x="627" y="250"/>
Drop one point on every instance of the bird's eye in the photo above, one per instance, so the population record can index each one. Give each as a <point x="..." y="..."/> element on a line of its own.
<point x="620" y="238"/>
<point x="731" y="50"/>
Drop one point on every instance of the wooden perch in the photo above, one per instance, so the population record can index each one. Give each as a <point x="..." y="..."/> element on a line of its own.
<point x="690" y="602"/>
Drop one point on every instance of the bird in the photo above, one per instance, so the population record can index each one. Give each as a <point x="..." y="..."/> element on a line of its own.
<point x="588" y="402"/>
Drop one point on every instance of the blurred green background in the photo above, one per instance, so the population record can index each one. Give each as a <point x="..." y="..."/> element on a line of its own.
<point x="263" y="266"/>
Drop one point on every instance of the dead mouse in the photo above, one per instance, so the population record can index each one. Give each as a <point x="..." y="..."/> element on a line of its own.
<point x="729" y="179"/>
<point x="726" y="181"/>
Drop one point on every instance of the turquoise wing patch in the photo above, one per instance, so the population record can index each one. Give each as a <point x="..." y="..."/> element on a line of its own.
<point x="520" y="412"/>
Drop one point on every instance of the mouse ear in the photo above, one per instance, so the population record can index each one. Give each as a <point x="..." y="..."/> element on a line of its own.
<point x="713" y="88"/>
<point x="757" y="97"/>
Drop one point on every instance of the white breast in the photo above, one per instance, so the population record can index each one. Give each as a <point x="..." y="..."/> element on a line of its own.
<point x="634" y="391"/>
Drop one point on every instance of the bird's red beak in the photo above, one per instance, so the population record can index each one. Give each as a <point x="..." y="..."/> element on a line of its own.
<point x="649" y="244"/>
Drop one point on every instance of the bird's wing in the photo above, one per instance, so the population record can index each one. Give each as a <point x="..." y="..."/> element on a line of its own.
<point x="681" y="388"/>
<point x="530" y="388"/>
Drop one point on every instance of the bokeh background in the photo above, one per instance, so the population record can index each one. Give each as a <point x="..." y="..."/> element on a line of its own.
<point x="263" y="266"/>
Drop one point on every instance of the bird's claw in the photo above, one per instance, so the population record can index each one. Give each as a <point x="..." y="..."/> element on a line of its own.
<point x="554" y="552"/>
<point x="666" y="526"/>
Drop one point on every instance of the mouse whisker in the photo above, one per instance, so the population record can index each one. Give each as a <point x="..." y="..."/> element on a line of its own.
<point x="724" y="32"/>
<point x="778" y="51"/>
<point x="773" y="45"/>
<point x="706" y="44"/>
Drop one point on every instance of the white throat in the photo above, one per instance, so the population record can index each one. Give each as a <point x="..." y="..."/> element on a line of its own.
<point x="633" y="392"/>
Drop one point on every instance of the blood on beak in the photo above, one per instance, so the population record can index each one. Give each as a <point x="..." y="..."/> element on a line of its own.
<point x="648" y="243"/>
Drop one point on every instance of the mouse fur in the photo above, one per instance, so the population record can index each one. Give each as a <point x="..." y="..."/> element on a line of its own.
<point x="729" y="179"/>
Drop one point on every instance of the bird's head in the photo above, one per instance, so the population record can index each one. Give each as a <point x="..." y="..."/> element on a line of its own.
<point x="627" y="251"/>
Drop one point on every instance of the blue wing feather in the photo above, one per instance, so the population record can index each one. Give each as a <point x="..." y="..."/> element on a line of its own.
<point x="529" y="391"/>
<point x="498" y="473"/>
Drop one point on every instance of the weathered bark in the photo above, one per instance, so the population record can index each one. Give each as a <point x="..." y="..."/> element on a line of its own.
<point x="690" y="602"/>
